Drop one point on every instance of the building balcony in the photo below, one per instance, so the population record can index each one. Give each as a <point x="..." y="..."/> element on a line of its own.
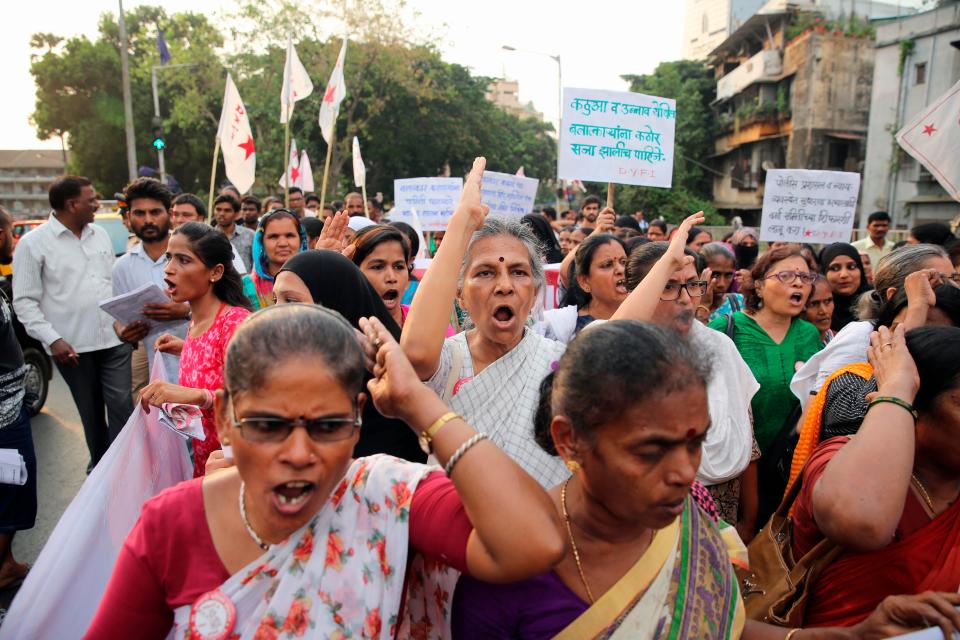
<point x="765" y="65"/>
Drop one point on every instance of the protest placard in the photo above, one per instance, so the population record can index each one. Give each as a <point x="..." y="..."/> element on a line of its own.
<point x="433" y="199"/>
<point x="507" y="194"/>
<point x="804" y="205"/>
<point x="617" y="136"/>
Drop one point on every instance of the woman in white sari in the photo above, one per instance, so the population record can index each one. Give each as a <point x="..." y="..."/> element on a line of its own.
<point x="492" y="372"/>
<point x="299" y="538"/>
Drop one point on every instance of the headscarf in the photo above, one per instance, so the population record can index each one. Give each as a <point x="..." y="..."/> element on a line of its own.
<point x="261" y="277"/>
<point x="745" y="256"/>
<point x="843" y="306"/>
<point x="336" y="283"/>
<point x="544" y="232"/>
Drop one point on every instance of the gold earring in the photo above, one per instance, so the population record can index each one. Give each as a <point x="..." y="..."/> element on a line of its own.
<point x="573" y="466"/>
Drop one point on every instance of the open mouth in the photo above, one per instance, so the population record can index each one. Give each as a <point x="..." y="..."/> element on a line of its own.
<point x="390" y="298"/>
<point x="290" y="497"/>
<point x="171" y="287"/>
<point x="796" y="297"/>
<point x="621" y="286"/>
<point x="503" y="314"/>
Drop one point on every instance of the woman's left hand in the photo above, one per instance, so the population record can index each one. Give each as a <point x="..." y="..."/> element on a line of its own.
<point x="898" y="615"/>
<point x="395" y="389"/>
<point x="676" y="252"/>
<point x="159" y="392"/>
<point x="893" y="366"/>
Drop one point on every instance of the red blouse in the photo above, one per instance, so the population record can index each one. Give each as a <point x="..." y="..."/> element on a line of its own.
<point x="169" y="559"/>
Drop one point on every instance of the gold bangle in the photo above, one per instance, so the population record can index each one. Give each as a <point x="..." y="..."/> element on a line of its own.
<point x="427" y="435"/>
<point x="792" y="633"/>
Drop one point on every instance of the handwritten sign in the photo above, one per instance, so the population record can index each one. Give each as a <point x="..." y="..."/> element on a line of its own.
<point x="616" y="136"/>
<point x="434" y="200"/>
<point x="507" y="194"/>
<point x="803" y="205"/>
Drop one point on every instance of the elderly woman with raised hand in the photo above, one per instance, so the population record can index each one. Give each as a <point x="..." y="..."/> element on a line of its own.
<point x="898" y="523"/>
<point x="491" y="373"/>
<point x="850" y="344"/>
<point x="841" y="265"/>
<point x="596" y="292"/>
<point x="279" y="237"/>
<point x="643" y="561"/>
<point x="300" y="538"/>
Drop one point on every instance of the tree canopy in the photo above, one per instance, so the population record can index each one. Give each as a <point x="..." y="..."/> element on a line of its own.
<point x="415" y="114"/>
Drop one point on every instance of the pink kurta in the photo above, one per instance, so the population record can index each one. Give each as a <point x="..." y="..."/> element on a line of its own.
<point x="201" y="367"/>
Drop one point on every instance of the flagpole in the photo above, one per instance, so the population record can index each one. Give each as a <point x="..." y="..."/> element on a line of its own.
<point x="366" y="205"/>
<point x="213" y="179"/>
<point x="286" y="155"/>
<point x="326" y="167"/>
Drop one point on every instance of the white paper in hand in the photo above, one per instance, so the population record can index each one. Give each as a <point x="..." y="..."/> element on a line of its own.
<point x="128" y="307"/>
<point x="13" y="470"/>
<point x="183" y="419"/>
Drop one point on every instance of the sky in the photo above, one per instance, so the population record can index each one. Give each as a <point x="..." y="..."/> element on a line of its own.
<point x="597" y="43"/>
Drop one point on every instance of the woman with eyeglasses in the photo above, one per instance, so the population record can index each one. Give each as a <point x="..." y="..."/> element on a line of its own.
<point x="841" y="265"/>
<point x="719" y="301"/>
<point x="279" y="237"/>
<point x="774" y="340"/>
<point x="200" y="272"/>
<point x="298" y="538"/>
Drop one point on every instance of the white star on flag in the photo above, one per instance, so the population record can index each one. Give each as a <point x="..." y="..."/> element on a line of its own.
<point x="333" y="96"/>
<point x="933" y="138"/>
<point x="296" y="83"/>
<point x="236" y="139"/>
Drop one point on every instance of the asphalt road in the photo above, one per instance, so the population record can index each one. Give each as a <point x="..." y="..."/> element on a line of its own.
<point x="61" y="469"/>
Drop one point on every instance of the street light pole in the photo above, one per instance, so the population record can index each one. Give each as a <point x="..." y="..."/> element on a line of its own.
<point x="127" y="99"/>
<point x="555" y="58"/>
<point x="161" y="162"/>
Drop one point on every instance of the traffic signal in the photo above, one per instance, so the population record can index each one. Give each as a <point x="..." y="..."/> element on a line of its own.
<point x="158" y="142"/>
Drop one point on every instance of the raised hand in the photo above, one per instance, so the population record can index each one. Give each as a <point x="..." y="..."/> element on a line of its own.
<point x="395" y="389"/>
<point x="332" y="236"/>
<point x="893" y="366"/>
<point x="605" y="221"/>
<point x="676" y="251"/>
<point x="471" y="205"/>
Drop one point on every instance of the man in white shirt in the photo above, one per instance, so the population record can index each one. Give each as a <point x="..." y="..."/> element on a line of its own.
<point x="876" y="244"/>
<point x="148" y="202"/>
<point x="62" y="269"/>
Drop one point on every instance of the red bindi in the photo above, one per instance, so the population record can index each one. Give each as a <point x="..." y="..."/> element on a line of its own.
<point x="691" y="433"/>
<point x="501" y="258"/>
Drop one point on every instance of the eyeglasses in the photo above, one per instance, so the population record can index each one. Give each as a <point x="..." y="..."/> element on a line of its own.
<point x="952" y="278"/>
<point x="695" y="289"/>
<point x="275" y="430"/>
<point x="787" y="277"/>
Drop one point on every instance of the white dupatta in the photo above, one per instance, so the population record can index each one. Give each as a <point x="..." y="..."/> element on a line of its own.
<point x="342" y="575"/>
<point x="502" y="399"/>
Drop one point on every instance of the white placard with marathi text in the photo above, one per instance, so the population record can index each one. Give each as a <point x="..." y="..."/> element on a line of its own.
<point x="617" y="136"/>
<point x="805" y="205"/>
<point x="507" y="194"/>
<point x="434" y="200"/>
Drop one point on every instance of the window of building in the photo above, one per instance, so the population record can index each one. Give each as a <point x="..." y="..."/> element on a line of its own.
<point x="837" y="154"/>
<point x="920" y="73"/>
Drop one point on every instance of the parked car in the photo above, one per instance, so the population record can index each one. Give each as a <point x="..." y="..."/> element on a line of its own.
<point x="39" y="364"/>
<point x="22" y="227"/>
<point x="119" y="234"/>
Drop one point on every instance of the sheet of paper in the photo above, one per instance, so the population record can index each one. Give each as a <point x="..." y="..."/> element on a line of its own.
<point x="617" y="136"/>
<point x="13" y="469"/>
<point x="507" y="194"/>
<point x="805" y="205"/>
<point x="434" y="200"/>
<point x="128" y="307"/>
